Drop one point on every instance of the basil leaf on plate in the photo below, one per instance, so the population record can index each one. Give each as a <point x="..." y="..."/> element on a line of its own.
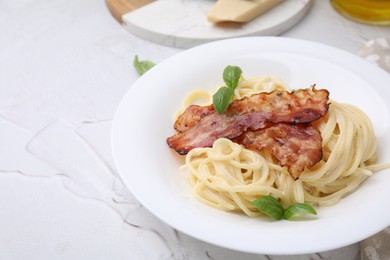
<point x="222" y="98"/>
<point x="299" y="209"/>
<point x="269" y="206"/>
<point x="231" y="76"/>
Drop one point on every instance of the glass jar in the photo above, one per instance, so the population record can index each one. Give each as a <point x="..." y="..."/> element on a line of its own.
<point x="376" y="12"/>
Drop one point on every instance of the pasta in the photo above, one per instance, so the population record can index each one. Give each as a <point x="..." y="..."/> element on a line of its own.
<point x="229" y="177"/>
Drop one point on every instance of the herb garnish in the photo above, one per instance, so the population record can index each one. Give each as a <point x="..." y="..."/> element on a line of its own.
<point x="223" y="96"/>
<point x="273" y="208"/>
<point x="142" y="66"/>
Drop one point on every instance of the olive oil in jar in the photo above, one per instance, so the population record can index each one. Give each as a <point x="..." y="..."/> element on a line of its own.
<point x="375" y="12"/>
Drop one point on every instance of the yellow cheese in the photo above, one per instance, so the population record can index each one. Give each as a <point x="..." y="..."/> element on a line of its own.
<point x="239" y="10"/>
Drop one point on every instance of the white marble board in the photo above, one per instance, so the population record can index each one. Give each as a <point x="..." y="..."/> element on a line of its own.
<point x="183" y="23"/>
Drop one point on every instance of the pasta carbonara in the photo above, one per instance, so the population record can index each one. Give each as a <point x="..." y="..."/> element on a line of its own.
<point x="229" y="177"/>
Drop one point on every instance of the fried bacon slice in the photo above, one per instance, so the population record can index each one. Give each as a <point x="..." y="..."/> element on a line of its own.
<point x="201" y="126"/>
<point x="300" y="106"/>
<point x="295" y="146"/>
<point x="191" y="117"/>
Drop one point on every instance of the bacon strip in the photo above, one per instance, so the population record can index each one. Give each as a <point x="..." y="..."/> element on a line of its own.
<point x="296" y="146"/>
<point x="202" y="127"/>
<point x="191" y="117"/>
<point x="279" y="103"/>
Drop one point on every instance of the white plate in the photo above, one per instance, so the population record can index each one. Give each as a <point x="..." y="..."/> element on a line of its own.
<point x="151" y="170"/>
<point x="184" y="24"/>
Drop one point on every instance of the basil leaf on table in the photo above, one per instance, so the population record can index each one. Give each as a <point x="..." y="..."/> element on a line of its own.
<point x="142" y="66"/>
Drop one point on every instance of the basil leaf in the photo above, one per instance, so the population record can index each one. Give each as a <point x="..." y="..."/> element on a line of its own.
<point x="231" y="76"/>
<point x="142" y="66"/>
<point x="269" y="206"/>
<point x="222" y="98"/>
<point x="299" y="209"/>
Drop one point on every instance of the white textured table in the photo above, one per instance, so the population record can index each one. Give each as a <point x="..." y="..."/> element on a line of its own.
<point x="64" y="67"/>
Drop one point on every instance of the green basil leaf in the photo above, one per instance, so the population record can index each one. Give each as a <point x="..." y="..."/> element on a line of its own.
<point x="269" y="206"/>
<point x="299" y="209"/>
<point x="231" y="76"/>
<point x="142" y="66"/>
<point x="222" y="98"/>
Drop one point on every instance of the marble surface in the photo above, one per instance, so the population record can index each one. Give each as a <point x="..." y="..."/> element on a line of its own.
<point x="64" y="67"/>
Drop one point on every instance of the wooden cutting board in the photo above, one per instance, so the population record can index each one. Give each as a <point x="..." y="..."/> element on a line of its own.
<point x="120" y="7"/>
<point x="183" y="24"/>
